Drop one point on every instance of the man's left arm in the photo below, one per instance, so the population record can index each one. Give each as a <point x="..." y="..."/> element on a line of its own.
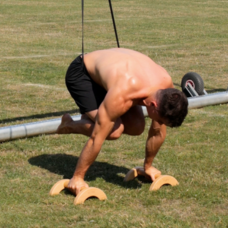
<point x="156" y="137"/>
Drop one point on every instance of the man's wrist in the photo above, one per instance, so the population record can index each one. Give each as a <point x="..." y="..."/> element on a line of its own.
<point x="78" y="175"/>
<point x="147" y="166"/>
<point x="147" y="163"/>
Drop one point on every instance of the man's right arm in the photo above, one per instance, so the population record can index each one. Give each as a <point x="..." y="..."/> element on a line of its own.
<point x="103" y="126"/>
<point x="110" y="109"/>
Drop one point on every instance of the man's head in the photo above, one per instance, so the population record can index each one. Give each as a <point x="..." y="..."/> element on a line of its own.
<point x="170" y="107"/>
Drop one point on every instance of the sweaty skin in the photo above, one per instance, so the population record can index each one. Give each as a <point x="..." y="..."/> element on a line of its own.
<point x="131" y="79"/>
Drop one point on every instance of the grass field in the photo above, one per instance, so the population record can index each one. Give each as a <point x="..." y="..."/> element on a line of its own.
<point x="38" y="41"/>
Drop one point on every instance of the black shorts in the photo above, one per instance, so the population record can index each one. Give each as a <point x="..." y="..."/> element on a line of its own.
<point x="87" y="94"/>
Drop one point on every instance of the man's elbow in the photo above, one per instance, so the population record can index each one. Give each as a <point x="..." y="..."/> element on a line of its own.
<point x="159" y="132"/>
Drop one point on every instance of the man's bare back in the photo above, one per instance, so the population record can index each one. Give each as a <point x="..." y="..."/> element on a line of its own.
<point x="122" y="67"/>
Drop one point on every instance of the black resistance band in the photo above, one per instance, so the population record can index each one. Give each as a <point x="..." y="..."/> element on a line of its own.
<point x="83" y="31"/>
<point x="113" y="21"/>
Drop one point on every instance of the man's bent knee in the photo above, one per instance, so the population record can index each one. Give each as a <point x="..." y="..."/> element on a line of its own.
<point x="135" y="128"/>
<point x="139" y="127"/>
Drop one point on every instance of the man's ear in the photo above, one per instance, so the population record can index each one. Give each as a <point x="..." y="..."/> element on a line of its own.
<point x="149" y="103"/>
<point x="154" y="104"/>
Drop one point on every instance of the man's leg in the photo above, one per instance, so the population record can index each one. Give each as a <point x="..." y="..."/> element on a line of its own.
<point x="85" y="125"/>
<point x="133" y="121"/>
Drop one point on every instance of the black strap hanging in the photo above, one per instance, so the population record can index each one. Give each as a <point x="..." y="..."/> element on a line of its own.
<point x="83" y="31"/>
<point x="113" y="21"/>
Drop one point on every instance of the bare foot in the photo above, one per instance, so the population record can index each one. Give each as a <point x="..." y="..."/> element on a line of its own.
<point x="65" y="126"/>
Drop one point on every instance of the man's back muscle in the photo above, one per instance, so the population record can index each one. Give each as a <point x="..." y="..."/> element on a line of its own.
<point x="126" y="68"/>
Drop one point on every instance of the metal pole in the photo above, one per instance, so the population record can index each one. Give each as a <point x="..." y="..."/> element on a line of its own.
<point x="31" y="129"/>
<point x="50" y="126"/>
<point x="207" y="100"/>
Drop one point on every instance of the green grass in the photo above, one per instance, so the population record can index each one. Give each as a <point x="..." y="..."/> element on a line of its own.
<point x="38" y="41"/>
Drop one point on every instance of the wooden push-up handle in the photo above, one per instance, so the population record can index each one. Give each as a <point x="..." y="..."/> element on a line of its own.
<point x="159" y="181"/>
<point x="82" y="196"/>
<point x="162" y="180"/>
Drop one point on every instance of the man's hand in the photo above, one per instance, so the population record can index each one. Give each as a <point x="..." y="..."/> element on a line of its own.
<point x="153" y="173"/>
<point x="76" y="185"/>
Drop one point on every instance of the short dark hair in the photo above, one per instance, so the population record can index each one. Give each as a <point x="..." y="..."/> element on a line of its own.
<point x="172" y="106"/>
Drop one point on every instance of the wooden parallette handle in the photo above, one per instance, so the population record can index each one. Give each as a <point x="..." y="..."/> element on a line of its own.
<point x="82" y="196"/>
<point x="157" y="184"/>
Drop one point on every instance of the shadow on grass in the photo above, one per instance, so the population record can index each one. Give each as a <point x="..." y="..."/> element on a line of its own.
<point x="40" y="116"/>
<point x="64" y="165"/>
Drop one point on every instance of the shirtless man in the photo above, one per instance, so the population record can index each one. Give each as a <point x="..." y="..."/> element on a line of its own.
<point x="110" y="88"/>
